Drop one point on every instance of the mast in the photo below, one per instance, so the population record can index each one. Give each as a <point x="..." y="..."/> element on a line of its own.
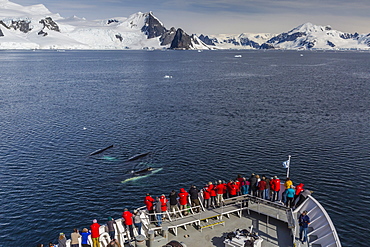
<point x="288" y="166"/>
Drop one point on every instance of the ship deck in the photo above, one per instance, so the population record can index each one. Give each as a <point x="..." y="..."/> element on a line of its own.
<point x="274" y="232"/>
<point x="209" y="228"/>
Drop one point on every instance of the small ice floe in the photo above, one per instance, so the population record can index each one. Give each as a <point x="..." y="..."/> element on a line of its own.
<point x="168" y="76"/>
<point x="238" y="56"/>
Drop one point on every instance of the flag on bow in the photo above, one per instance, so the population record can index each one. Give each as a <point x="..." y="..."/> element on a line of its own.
<point x="286" y="164"/>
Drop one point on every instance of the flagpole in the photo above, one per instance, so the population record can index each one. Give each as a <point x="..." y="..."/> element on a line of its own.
<point x="287" y="172"/>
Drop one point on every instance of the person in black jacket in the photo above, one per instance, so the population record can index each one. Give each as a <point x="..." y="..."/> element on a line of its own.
<point x="253" y="185"/>
<point x="193" y="191"/>
<point x="173" y="202"/>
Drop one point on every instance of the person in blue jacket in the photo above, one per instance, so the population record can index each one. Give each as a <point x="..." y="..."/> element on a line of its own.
<point x="85" y="237"/>
<point x="290" y="193"/>
<point x="304" y="221"/>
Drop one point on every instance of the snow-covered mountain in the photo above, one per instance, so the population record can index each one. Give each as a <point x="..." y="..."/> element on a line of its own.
<point x="35" y="27"/>
<point x="305" y="36"/>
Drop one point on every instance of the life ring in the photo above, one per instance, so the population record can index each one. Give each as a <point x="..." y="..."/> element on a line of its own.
<point x="104" y="238"/>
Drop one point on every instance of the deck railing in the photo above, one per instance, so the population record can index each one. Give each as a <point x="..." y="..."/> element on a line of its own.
<point x="190" y="215"/>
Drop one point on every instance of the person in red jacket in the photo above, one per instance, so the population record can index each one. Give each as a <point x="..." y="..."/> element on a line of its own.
<point x="298" y="190"/>
<point x="225" y="196"/>
<point x="233" y="189"/>
<point x="163" y="201"/>
<point x="275" y="188"/>
<point x="261" y="188"/>
<point x="206" y="196"/>
<point x="183" y="201"/>
<point x="239" y="180"/>
<point x="212" y="191"/>
<point x="220" y="193"/>
<point x="95" y="233"/>
<point x="149" y="201"/>
<point x="238" y="185"/>
<point x="127" y="217"/>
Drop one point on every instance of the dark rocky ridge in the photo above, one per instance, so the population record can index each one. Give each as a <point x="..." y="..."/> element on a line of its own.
<point x="181" y="40"/>
<point x="177" y="39"/>
<point x="153" y="28"/>
<point x="168" y="36"/>
<point x="49" y="24"/>
<point x="207" y="40"/>
<point x="21" y="25"/>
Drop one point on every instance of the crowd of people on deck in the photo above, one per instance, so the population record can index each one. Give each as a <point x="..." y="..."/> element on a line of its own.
<point x="213" y="195"/>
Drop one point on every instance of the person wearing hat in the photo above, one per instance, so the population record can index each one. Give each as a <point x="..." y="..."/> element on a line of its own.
<point x="206" y="196"/>
<point x="304" y="221"/>
<point x="62" y="241"/>
<point x="95" y="233"/>
<point x="110" y="225"/>
<point x="183" y="201"/>
<point x="164" y="201"/>
<point x="220" y="188"/>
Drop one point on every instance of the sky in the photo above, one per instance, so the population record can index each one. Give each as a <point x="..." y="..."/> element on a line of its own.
<point x="224" y="16"/>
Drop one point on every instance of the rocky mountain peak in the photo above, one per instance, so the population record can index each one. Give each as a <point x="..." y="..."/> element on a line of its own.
<point x="153" y="27"/>
<point x="181" y="40"/>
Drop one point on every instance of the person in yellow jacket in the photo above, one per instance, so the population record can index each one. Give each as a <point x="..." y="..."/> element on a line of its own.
<point x="287" y="185"/>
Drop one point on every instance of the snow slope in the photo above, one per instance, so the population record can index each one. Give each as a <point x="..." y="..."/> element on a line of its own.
<point x="35" y="27"/>
<point x="74" y="32"/>
<point x="305" y="36"/>
<point x="310" y="36"/>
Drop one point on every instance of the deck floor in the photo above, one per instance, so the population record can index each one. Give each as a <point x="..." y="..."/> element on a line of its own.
<point x="275" y="233"/>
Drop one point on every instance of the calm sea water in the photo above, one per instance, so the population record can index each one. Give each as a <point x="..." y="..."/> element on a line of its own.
<point x="215" y="117"/>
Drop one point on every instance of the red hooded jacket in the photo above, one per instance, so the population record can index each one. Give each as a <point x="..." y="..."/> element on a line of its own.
<point x="183" y="195"/>
<point x="149" y="202"/>
<point x="299" y="189"/>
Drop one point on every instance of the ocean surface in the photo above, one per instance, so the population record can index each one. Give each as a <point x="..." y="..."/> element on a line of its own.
<point x="203" y="116"/>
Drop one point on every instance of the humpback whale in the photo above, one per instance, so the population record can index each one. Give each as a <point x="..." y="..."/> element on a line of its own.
<point x="148" y="169"/>
<point x="134" y="178"/>
<point x="100" y="150"/>
<point x="138" y="156"/>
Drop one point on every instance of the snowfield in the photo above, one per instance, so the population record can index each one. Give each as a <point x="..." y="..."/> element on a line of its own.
<point x="35" y="27"/>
